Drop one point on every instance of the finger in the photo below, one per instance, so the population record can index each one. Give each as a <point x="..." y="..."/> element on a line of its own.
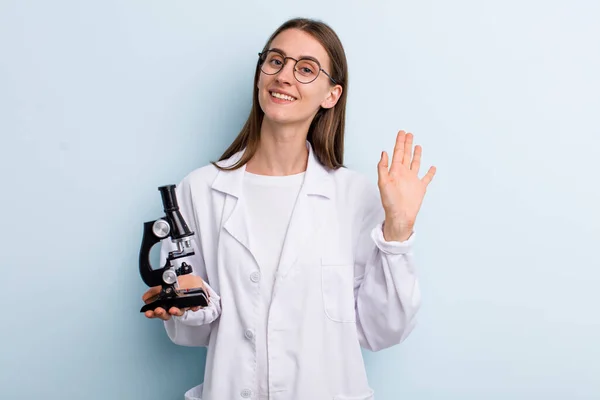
<point x="398" y="150"/>
<point x="408" y="145"/>
<point x="161" y="313"/>
<point x="205" y="290"/>
<point x="176" y="311"/>
<point x="382" y="166"/>
<point x="429" y="176"/>
<point x="149" y="314"/>
<point x="149" y="294"/>
<point x="416" y="162"/>
<point x="194" y="309"/>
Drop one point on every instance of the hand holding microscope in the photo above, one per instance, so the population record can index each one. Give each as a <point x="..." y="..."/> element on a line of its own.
<point x="172" y="226"/>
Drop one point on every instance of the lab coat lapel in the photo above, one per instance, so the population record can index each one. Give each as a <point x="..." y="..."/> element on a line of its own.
<point x="308" y="214"/>
<point x="234" y="217"/>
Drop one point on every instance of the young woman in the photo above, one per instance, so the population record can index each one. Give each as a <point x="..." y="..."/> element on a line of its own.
<point x="305" y="261"/>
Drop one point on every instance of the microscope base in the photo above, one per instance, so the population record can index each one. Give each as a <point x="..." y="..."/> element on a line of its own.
<point x="180" y="301"/>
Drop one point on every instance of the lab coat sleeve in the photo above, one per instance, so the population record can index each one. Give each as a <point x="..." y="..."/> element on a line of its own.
<point x="386" y="287"/>
<point x="193" y="328"/>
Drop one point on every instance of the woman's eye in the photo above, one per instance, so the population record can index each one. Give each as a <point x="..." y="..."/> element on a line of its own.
<point x="307" y="70"/>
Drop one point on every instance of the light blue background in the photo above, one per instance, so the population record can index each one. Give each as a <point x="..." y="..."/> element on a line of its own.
<point x="101" y="102"/>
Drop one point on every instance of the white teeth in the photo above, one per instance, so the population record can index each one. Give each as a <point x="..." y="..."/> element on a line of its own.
<point x="282" y="96"/>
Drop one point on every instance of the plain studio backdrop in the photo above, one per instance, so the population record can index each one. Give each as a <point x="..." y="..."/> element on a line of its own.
<point x="102" y="102"/>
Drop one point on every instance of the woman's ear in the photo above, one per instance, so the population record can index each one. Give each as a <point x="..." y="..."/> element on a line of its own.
<point x="332" y="98"/>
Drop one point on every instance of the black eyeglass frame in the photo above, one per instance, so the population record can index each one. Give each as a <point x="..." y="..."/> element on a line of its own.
<point x="261" y="61"/>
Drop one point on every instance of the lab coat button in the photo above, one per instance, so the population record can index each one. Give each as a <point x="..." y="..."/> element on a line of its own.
<point x="249" y="334"/>
<point x="255" y="276"/>
<point x="246" y="393"/>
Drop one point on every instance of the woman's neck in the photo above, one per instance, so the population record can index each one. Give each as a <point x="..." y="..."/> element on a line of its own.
<point x="281" y="151"/>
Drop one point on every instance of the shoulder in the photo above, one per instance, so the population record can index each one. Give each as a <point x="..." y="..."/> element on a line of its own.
<point x="356" y="191"/>
<point x="202" y="178"/>
<point x="354" y="181"/>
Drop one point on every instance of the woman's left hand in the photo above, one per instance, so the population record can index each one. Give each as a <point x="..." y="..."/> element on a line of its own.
<point x="401" y="189"/>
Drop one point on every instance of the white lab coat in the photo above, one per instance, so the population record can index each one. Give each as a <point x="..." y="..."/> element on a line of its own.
<point x="339" y="286"/>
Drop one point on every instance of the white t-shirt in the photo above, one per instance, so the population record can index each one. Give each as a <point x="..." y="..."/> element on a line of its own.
<point x="269" y="201"/>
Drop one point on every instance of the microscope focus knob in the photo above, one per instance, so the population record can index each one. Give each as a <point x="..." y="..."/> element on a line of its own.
<point x="169" y="277"/>
<point x="184" y="269"/>
<point x="161" y="228"/>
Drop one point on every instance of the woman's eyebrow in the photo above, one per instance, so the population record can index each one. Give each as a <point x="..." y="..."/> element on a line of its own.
<point x="285" y="55"/>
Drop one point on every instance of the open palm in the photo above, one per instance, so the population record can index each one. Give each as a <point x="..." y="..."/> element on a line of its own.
<point x="401" y="190"/>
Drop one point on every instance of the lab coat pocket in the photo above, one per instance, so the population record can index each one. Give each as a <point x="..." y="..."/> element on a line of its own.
<point x="337" y="285"/>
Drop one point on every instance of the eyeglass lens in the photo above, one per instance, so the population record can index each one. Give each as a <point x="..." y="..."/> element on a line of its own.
<point x="305" y="71"/>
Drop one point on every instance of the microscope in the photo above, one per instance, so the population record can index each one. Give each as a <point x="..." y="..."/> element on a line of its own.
<point x="172" y="226"/>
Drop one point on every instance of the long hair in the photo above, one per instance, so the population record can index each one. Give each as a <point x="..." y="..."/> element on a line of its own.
<point x="326" y="132"/>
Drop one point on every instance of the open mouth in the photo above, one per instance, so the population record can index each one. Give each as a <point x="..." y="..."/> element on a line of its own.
<point x="282" y="96"/>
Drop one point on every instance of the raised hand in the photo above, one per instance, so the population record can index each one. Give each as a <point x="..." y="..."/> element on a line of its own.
<point x="401" y="190"/>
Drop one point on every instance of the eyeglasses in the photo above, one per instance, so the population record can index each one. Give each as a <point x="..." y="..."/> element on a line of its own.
<point x="306" y="70"/>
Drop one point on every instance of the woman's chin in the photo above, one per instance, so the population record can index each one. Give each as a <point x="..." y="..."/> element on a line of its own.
<point x="278" y="117"/>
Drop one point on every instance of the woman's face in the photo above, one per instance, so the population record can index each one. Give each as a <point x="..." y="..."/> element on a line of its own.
<point x="282" y="98"/>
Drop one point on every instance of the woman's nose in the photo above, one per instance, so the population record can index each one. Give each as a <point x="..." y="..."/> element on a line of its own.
<point x="286" y="74"/>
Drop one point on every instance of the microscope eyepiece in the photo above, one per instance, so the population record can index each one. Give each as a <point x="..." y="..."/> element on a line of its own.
<point x="169" y="198"/>
<point x="179" y="228"/>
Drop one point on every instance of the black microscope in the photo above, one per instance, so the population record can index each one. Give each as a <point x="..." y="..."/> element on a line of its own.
<point x="174" y="226"/>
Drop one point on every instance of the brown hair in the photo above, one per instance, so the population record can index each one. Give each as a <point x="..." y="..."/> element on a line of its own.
<point x="326" y="132"/>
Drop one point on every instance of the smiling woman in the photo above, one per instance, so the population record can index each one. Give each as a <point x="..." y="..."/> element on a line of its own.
<point x="304" y="260"/>
<point x="305" y="60"/>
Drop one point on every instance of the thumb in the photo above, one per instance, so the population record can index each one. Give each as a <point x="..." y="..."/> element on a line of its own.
<point x="150" y="293"/>
<point x="382" y="166"/>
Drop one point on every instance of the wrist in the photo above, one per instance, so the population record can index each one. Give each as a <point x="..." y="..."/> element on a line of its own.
<point x="396" y="231"/>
